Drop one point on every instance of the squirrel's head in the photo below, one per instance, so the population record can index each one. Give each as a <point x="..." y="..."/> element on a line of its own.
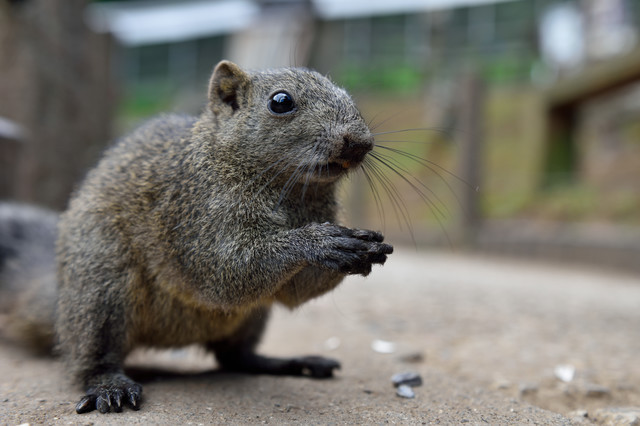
<point x="292" y="124"/>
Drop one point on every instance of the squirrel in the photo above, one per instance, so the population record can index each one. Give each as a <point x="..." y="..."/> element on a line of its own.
<point x="190" y="228"/>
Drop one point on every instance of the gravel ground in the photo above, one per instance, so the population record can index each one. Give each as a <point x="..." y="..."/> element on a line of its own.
<point x="495" y="341"/>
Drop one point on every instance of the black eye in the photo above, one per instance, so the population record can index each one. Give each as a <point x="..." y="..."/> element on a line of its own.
<point x="281" y="103"/>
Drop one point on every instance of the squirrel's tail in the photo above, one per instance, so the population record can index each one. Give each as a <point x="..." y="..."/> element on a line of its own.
<point x="27" y="275"/>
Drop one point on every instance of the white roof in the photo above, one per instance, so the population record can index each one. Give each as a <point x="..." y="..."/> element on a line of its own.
<point x="341" y="9"/>
<point x="145" y="22"/>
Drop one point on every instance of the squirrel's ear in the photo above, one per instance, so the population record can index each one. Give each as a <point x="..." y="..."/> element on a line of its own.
<point x="227" y="84"/>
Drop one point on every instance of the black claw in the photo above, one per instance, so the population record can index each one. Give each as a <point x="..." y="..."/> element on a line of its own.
<point x="117" y="400"/>
<point x="379" y="258"/>
<point x="134" y="402"/>
<point x="103" y="404"/>
<point x="134" y="396"/>
<point x="111" y="395"/>
<point x="371" y="236"/>
<point x="86" y="404"/>
<point x="317" y="367"/>
<point x="349" y="251"/>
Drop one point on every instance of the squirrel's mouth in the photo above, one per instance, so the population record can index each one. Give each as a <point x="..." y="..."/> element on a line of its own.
<point x="340" y="166"/>
<point x="335" y="168"/>
<point x="329" y="171"/>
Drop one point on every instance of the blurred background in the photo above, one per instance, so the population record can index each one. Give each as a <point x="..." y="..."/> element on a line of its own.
<point x="513" y="125"/>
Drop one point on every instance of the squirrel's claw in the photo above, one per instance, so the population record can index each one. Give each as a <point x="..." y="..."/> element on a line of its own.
<point x="316" y="366"/>
<point x="106" y="398"/>
<point x="349" y="251"/>
<point x="86" y="404"/>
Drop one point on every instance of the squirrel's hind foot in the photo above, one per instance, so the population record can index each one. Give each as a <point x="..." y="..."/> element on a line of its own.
<point x="111" y="394"/>
<point x="316" y="367"/>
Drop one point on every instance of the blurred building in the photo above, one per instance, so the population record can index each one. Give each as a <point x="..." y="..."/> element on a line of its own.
<point x="180" y="41"/>
<point x="567" y="66"/>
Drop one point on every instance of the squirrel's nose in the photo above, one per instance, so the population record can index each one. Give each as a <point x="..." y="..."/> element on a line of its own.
<point x="355" y="148"/>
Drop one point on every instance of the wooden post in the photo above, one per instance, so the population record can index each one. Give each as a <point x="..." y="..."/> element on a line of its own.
<point x="470" y="138"/>
<point x="55" y="83"/>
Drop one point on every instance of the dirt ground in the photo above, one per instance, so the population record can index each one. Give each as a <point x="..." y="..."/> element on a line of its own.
<point x="496" y="341"/>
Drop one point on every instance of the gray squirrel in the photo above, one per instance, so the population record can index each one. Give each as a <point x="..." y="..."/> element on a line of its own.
<point x="190" y="228"/>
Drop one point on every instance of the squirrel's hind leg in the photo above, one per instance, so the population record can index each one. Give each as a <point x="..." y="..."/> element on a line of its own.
<point x="237" y="353"/>
<point x="93" y="330"/>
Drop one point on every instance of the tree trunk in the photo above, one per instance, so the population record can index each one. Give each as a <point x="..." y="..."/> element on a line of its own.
<point x="55" y="83"/>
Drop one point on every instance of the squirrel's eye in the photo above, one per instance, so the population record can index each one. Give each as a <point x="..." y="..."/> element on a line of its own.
<point x="281" y="103"/>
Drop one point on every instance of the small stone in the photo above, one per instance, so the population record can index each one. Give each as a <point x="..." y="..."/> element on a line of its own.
<point x="408" y="378"/>
<point x="578" y="414"/>
<point x="383" y="347"/>
<point x="565" y="372"/>
<point x="405" y="391"/>
<point x="579" y="417"/>
<point x="528" y="389"/>
<point x="413" y="358"/>
<point x="619" y="416"/>
<point x="332" y="343"/>
<point x="596" y="391"/>
<point x="501" y="384"/>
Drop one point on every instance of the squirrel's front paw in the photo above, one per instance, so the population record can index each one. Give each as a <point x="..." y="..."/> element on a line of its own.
<point x="111" y="394"/>
<point x="350" y="251"/>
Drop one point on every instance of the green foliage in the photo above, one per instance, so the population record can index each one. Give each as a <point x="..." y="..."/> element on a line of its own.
<point x="395" y="78"/>
<point x="508" y="69"/>
<point x="142" y="102"/>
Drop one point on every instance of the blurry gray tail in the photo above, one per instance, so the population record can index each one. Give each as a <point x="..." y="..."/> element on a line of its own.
<point x="27" y="274"/>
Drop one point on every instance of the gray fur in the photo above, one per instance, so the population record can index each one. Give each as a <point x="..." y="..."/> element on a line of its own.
<point x="190" y="228"/>
<point x="27" y="275"/>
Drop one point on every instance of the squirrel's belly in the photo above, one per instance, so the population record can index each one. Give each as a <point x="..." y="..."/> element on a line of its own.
<point x="159" y="320"/>
<point x="180" y="328"/>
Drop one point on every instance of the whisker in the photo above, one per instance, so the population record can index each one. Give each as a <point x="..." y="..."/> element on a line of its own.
<point x="372" y="126"/>
<point x="310" y="171"/>
<point x="391" y="117"/>
<point x="417" y="129"/>
<point x="301" y="155"/>
<point x="394" y="166"/>
<point x="290" y="183"/>
<point x="374" y="190"/>
<point x="275" y="176"/>
<point x="397" y="202"/>
<point x="404" y="141"/>
<point x="432" y="206"/>
<point x="429" y="164"/>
